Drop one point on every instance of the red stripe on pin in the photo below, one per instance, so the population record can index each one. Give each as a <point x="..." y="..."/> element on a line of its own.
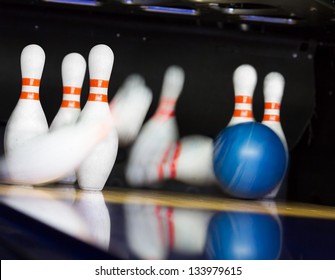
<point x="97" y="97"/>
<point x="173" y="166"/>
<point x="99" y="83"/>
<point x="70" y="104"/>
<point x="165" y="113"/>
<point x="161" y="165"/>
<point x="243" y="113"/>
<point x="271" y="105"/>
<point x="271" y="118"/>
<point x="30" y="95"/>
<point x="71" y="90"/>
<point x="243" y="99"/>
<point x="31" y="82"/>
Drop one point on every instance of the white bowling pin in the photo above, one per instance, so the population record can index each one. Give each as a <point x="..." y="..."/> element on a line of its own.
<point x="95" y="169"/>
<point x="244" y="82"/>
<point x="188" y="160"/>
<point x="274" y="84"/>
<point x="93" y="210"/>
<point x="52" y="156"/>
<point x="273" y="90"/>
<point x="27" y="119"/>
<point x="129" y="107"/>
<point x="159" y="132"/>
<point x="73" y="73"/>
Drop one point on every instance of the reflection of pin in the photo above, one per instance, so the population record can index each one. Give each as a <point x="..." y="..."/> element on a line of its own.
<point x="93" y="209"/>
<point x="27" y="119"/>
<point x="244" y="81"/>
<point x="73" y="72"/>
<point x="49" y="157"/>
<point x="190" y="230"/>
<point x="273" y="93"/>
<point x="189" y="160"/>
<point x="159" y="132"/>
<point x="95" y="169"/>
<point x="47" y="209"/>
<point x="129" y="107"/>
<point x="146" y="231"/>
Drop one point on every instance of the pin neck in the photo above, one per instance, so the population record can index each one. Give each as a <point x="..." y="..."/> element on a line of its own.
<point x="271" y="113"/>
<point x="166" y="108"/>
<point x="98" y="90"/>
<point x="30" y="89"/>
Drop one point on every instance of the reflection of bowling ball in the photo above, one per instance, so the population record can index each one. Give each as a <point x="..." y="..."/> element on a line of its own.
<point x="249" y="160"/>
<point x="243" y="236"/>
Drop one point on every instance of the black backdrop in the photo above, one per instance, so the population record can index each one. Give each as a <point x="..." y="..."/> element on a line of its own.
<point x="208" y="54"/>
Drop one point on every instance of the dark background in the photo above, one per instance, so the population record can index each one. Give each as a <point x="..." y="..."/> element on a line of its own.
<point x="209" y="49"/>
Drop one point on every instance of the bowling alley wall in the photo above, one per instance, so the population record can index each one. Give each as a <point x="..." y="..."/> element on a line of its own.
<point x="209" y="52"/>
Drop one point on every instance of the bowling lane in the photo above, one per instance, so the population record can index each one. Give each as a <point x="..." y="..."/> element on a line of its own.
<point x="148" y="224"/>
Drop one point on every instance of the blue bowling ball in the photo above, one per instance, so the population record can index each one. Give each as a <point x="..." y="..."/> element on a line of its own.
<point x="244" y="236"/>
<point x="249" y="160"/>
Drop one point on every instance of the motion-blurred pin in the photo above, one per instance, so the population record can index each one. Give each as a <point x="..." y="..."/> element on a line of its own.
<point x="129" y="107"/>
<point x="54" y="155"/>
<point x="159" y="132"/>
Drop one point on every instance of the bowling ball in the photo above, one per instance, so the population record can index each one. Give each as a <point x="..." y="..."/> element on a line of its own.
<point x="249" y="160"/>
<point x="243" y="236"/>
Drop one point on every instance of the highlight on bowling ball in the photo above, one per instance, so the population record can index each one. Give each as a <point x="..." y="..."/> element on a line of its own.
<point x="244" y="236"/>
<point x="249" y="160"/>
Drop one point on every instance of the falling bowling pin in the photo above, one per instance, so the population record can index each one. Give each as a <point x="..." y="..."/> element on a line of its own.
<point x="188" y="160"/>
<point x="244" y="82"/>
<point x="95" y="169"/>
<point x="73" y="73"/>
<point x="129" y="107"/>
<point x="273" y="89"/>
<point x="159" y="132"/>
<point x="27" y="119"/>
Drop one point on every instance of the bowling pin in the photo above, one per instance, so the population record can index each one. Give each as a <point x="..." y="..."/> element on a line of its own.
<point x="129" y="107"/>
<point x="273" y="90"/>
<point x="188" y="160"/>
<point x="73" y="73"/>
<point x="159" y="132"/>
<point x="244" y="82"/>
<point x="27" y="119"/>
<point x="95" y="169"/>
<point x="52" y="156"/>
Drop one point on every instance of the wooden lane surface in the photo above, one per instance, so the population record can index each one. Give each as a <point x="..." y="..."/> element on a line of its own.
<point x="184" y="200"/>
